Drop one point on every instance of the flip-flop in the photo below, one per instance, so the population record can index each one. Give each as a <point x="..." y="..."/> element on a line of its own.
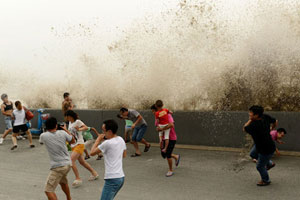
<point x="14" y="147"/>
<point x="147" y="148"/>
<point x="135" y="155"/>
<point x="178" y="160"/>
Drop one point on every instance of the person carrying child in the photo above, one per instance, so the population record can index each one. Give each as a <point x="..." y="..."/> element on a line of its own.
<point x="161" y="116"/>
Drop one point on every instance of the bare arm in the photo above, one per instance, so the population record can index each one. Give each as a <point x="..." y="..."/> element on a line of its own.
<point x="95" y="150"/>
<point x="6" y="113"/>
<point x="137" y="121"/>
<point x="82" y="128"/>
<point x="247" y="124"/>
<point x="124" y="154"/>
<point x="170" y="125"/>
<point x="95" y="131"/>
<point x="67" y="131"/>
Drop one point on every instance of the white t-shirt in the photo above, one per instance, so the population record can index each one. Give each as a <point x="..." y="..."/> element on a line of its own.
<point x="77" y="134"/>
<point x="113" y="150"/>
<point x="19" y="117"/>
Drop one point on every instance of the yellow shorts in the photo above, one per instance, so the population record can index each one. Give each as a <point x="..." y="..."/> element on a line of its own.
<point x="79" y="148"/>
<point x="56" y="176"/>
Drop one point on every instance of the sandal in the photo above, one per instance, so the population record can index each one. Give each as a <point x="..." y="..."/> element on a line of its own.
<point x="32" y="146"/>
<point x="87" y="157"/>
<point x="93" y="178"/>
<point x="14" y="147"/>
<point x="135" y="155"/>
<point x="178" y="161"/>
<point x="77" y="183"/>
<point x="147" y="148"/>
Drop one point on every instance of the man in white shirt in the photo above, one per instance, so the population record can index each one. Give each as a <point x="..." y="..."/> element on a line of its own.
<point x="114" y="150"/>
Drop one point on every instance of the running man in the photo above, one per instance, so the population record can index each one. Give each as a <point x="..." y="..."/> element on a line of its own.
<point x="172" y="141"/>
<point x="114" y="150"/>
<point x="6" y="110"/>
<point x="139" y="128"/>
<point x="55" y="142"/>
<point x="258" y="127"/>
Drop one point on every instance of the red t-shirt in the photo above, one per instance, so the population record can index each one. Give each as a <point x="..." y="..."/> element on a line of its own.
<point x="162" y="116"/>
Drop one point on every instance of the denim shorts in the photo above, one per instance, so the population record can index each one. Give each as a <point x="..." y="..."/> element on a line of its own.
<point x="8" y="122"/>
<point x="139" y="132"/>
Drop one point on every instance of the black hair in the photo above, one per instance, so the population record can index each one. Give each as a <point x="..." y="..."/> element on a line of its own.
<point x="71" y="113"/>
<point x="119" y="116"/>
<point x="153" y="107"/>
<point x="159" y="104"/>
<point x="17" y="103"/>
<point x="123" y="109"/>
<point x="280" y="130"/>
<point x="66" y="94"/>
<point x="111" y="125"/>
<point x="257" y="110"/>
<point x="51" y="123"/>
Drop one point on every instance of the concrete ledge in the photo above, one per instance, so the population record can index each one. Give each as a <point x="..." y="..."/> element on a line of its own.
<point x="209" y="129"/>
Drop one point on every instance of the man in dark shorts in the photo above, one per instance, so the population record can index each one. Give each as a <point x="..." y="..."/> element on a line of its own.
<point x="258" y="127"/>
<point x="173" y="138"/>
<point x="139" y="128"/>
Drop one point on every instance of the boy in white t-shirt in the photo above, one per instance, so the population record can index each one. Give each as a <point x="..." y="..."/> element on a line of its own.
<point x="114" y="150"/>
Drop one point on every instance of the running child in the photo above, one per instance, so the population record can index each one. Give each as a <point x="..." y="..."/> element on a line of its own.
<point x="89" y="141"/>
<point x="128" y="129"/>
<point x="162" y="119"/>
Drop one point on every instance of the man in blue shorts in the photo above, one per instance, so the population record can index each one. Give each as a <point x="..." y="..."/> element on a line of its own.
<point x="139" y="128"/>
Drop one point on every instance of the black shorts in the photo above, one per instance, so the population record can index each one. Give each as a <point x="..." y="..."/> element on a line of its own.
<point x="170" y="149"/>
<point x="17" y="129"/>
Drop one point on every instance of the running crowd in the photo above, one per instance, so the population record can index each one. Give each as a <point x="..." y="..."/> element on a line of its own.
<point x="76" y="136"/>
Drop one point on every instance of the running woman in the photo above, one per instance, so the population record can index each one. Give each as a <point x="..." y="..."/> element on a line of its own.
<point x="7" y="110"/>
<point x="76" y="127"/>
<point x="19" y="116"/>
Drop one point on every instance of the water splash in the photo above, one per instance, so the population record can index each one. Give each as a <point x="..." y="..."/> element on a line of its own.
<point x="200" y="55"/>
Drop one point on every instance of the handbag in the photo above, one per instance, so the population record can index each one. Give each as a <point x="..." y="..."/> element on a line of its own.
<point x="28" y="114"/>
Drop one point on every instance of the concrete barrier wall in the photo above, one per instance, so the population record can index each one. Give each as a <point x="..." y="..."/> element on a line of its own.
<point x="222" y="129"/>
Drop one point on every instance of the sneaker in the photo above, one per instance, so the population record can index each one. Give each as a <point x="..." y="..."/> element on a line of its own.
<point x="169" y="174"/>
<point x="1" y="140"/>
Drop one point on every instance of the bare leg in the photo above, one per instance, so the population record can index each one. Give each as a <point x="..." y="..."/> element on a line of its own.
<point x="136" y="146"/>
<point x="86" y="153"/>
<point x="14" y="139"/>
<point x="166" y="145"/>
<point x="87" y="165"/>
<point x="29" y="137"/>
<point x="51" y="195"/>
<point x="66" y="189"/>
<point x="74" y="157"/>
<point x="6" y="133"/>
<point x="170" y="163"/>
<point x="145" y="142"/>
<point x="175" y="157"/>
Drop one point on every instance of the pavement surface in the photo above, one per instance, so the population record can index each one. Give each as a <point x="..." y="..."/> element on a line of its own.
<point x="205" y="175"/>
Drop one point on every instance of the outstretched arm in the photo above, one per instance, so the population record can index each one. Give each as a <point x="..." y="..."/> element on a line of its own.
<point x="95" y="150"/>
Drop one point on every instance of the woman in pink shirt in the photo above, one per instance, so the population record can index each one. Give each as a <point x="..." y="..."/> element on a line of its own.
<point x="172" y="141"/>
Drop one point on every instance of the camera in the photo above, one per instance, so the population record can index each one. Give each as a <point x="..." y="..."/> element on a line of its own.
<point x="59" y="125"/>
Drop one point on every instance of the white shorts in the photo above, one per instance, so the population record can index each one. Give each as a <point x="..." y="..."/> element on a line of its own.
<point x="166" y="133"/>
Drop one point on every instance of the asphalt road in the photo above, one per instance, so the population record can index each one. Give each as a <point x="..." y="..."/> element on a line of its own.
<point x="205" y="175"/>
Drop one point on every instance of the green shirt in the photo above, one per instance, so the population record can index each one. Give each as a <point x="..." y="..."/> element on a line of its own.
<point x="128" y="123"/>
<point x="87" y="135"/>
